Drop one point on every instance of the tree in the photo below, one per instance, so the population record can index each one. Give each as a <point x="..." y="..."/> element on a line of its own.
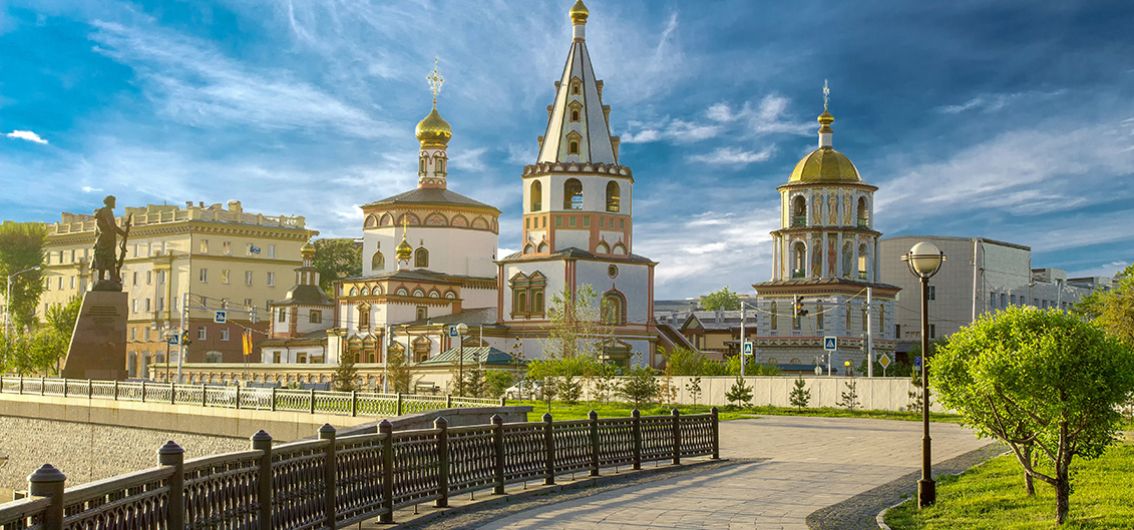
<point x="1113" y="310"/>
<point x="724" y="299"/>
<point x="1038" y="380"/>
<point x="21" y="248"/>
<point x="603" y="381"/>
<point x="336" y="259"/>
<point x="399" y="373"/>
<point x="345" y="374"/>
<point x="739" y="393"/>
<point x="640" y="386"/>
<point x="849" y="397"/>
<point x="693" y="386"/>
<point x="575" y="325"/>
<point x="800" y="396"/>
<point x="475" y="381"/>
<point x="751" y="367"/>
<point x="497" y="381"/>
<point x="62" y="318"/>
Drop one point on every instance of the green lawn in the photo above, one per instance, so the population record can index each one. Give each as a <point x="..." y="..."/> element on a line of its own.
<point x="578" y="411"/>
<point x="991" y="495"/>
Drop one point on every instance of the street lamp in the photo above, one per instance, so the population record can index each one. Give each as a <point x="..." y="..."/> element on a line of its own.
<point x="8" y="299"/>
<point x="461" y="330"/>
<point x="924" y="260"/>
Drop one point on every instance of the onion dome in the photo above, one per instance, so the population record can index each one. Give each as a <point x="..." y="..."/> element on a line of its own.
<point x="579" y="13"/>
<point x="307" y="250"/>
<point x="825" y="164"/>
<point x="433" y="131"/>
<point x="404" y="250"/>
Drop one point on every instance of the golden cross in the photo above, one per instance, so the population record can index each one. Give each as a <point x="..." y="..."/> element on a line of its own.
<point x="826" y="95"/>
<point x="435" y="80"/>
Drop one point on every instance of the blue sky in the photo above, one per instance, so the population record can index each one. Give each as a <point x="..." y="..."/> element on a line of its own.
<point x="1007" y="120"/>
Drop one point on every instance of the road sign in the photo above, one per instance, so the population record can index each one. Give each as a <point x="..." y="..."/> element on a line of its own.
<point x="453" y="331"/>
<point x="174" y="340"/>
<point x="830" y="343"/>
<point x="917" y="361"/>
<point x="747" y="348"/>
<point x="884" y="361"/>
<point x="220" y="317"/>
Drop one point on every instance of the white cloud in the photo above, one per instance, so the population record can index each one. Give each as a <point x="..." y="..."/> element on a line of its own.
<point x="30" y="136"/>
<point x="734" y="156"/>
<point x="469" y="159"/>
<point x="769" y="116"/>
<point x="993" y="102"/>
<point x="90" y="189"/>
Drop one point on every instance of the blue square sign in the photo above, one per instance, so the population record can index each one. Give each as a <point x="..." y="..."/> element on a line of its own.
<point x="830" y="343"/>
<point x="220" y="317"/>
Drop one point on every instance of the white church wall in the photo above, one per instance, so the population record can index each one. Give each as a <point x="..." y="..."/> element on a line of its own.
<point x="457" y="251"/>
<point x="633" y="281"/>
<point x="580" y="239"/>
<point x="553" y="270"/>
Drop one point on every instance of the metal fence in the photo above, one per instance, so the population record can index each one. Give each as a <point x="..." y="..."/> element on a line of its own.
<point x="335" y="482"/>
<point x="236" y="397"/>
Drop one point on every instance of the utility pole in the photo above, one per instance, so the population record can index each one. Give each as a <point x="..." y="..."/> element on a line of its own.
<point x="869" y="333"/>
<point x="184" y="333"/>
<point x="743" y="318"/>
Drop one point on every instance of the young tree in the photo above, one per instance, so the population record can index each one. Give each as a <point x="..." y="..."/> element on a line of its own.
<point x="800" y="396"/>
<point x="640" y="386"/>
<point x="724" y="299"/>
<point x="604" y="381"/>
<point x="21" y="248"/>
<point x="475" y="382"/>
<point x="497" y="381"/>
<point x="336" y="259"/>
<point x="739" y="393"/>
<point x="693" y="386"/>
<point x="399" y="372"/>
<point x="346" y="374"/>
<point x="576" y="328"/>
<point x="849" y="397"/>
<point x="1043" y="380"/>
<point x="1113" y="310"/>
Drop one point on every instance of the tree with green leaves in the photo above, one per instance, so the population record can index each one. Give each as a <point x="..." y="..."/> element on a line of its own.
<point x="475" y="383"/>
<point x="346" y="374"/>
<point x="1113" y="310"/>
<point x="800" y="396"/>
<point x="693" y="386"/>
<point x="398" y="372"/>
<point x="640" y="386"/>
<point x="724" y="299"/>
<point x="497" y="381"/>
<point x="336" y="259"/>
<point x="21" y="249"/>
<point x="739" y="394"/>
<point x="576" y="327"/>
<point x="604" y="381"/>
<point x="849" y="396"/>
<point x="1042" y="381"/>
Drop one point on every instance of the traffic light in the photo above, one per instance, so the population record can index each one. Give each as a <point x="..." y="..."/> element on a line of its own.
<point x="797" y="307"/>
<point x="185" y="338"/>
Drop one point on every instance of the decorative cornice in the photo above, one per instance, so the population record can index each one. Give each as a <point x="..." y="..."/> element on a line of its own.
<point x="548" y="168"/>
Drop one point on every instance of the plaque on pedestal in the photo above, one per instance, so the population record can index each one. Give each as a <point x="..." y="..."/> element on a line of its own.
<point x="98" y="345"/>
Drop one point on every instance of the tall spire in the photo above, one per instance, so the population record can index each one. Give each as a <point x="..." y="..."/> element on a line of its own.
<point x="826" y="119"/>
<point x="577" y="127"/>
<point x="433" y="133"/>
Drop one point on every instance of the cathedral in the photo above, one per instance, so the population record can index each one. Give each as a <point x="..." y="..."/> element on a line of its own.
<point x="825" y="279"/>
<point x="429" y="254"/>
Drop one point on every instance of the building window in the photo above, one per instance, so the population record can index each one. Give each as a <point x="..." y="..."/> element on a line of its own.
<point x="148" y="305"/>
<point x="202" y="333"/>
<point x="863" y="213"/>
<point x="574" y="114"/>
<point x="378" y="261"/>
<point x="613" y="308"/>
<point x="933" y="331"/>
<point x="573" y="147"/>
<point x="135" y="278"/>
<point x="799" y="211"/>
<point x="992" y="300"/>
<point x="226" y="247"/>
<point x="932" y="292"/>
<point x="422" y="312"/>
<point x="248" y="278"/>
<point x="276" y="357"/>
<point x="203" y="275"/>
<point x="421" y="257"/>
<point x="846" y="325"/>
<point x="214" y="357"/>
<point x="528" y="295"/>
<point x="536" y="196"/>
<point x="224" y="334"/>
<point x="572" y="194"/>
<point x="271" y="279"/>
<point x="271" y="251"/>
<point x="224" y="276"/>
<point x="203" y="246"/>
<point x="897" y="331"/>
<point x="613" y="197"/>
<point x="315" y="317"/>
<point x="282" y="315"/>
<point x="363" y="317"/>
<point x="149" y="277"/>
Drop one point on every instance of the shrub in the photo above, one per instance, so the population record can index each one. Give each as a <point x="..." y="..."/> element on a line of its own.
<point x="640" y="386"/>
<point x="800" y="396"/>
<point x="739" y="394"/>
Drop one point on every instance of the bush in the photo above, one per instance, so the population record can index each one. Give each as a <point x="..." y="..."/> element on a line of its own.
<point x="739" y="394"/>
<point x="497" y="381"/>
<point x="849" y="397"/>
<point x="800" y="396"/>
<point x="640" y="386"/>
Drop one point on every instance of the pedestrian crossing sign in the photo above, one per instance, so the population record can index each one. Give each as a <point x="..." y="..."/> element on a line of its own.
<point x="747" y="348"/>
<point x="830" y="343"/>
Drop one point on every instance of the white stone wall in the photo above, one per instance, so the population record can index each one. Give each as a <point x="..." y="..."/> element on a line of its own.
<point x="554" y="270"/>
<point x="459" y="251"/>
<point x="633" y="281"/>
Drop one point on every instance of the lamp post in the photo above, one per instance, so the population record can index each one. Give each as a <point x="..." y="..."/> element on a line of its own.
<point x="8" y="299"/>
<point x="924" y="260"/>
<point x="461" y="330"/>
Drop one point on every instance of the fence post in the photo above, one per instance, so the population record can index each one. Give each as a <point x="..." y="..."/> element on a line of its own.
<point x="204" y="395"/>
<point x="448" y="401"/>
<point x="311" y="399"/>
<point x="716" y="433"/>
<point x="43" y="386"/>
<point x="503" y="401"/>
<point x="399" y="409"/>
<point x="327" y="432"/>
<point x="238" y="396"/>
<point x="636" y="428"/>
<point x="173" y="455"/>
<point x="21" y="385"/>
<point x="115" y="388"/>
<point x="262" y="441"/>
<point x="143" y="391"/>
<point x="354" y="403"/>
<point x="172" y="394"/>
<point x="48" y="482"/>
<point x="442" y="426"/>
<point x="676" y="436"/>
<point x="498" y="445"/>
<point x="90" y="389"/>
<point x="548" y="450"/>
<point x="273" y="399"/>
<point x="387" y="429"/>
<point x="593" y="416"/>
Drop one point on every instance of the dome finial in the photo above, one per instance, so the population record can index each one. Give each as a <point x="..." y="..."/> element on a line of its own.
<point x="404" y="251"/>
<point x="579" y="13"/>
<point x="435" y="79"/>
<point x="434" y="131"/>
<point x="826" y="119"/>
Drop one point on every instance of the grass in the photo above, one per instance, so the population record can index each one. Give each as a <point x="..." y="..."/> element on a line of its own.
<point x="564" y="411"/>
<point x="991" y="495"/>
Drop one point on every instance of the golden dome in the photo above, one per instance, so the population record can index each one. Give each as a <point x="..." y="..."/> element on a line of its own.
<point x="404" y="250"/>
<point x="825" y="165"/>
<point x="307" y="249"/>
<point x="579" y="13"/>
<point x="433" y="130"/>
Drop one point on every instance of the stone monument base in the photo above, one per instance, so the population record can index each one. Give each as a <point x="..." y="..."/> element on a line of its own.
<point x="98" y="345"/>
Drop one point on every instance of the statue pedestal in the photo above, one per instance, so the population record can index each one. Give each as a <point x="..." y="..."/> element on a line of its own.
<point x="98" y="345"/>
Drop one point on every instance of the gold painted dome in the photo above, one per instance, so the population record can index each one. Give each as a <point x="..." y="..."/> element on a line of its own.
<point x="307" y="249"/>
<point x="433" y="130"/>
<point x="825" y="165"/>
<point x="404" y="250"/>
<point x="579" y="13"/>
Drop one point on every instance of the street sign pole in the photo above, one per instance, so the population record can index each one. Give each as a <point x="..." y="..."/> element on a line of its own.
<point x="743" y="341"/>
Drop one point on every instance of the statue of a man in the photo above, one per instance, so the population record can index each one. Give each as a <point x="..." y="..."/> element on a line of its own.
<point x="106" y="265"/>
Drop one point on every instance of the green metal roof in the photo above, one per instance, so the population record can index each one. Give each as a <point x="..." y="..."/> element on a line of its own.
<point x="486" y="355"/>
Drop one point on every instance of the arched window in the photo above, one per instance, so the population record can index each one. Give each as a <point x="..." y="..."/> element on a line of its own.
<point x="536" y="196"/>
<point x="421" y="166"/>
<point x="575" y="110"/>
<point x="613" y="197"/>
<point x="775" y="317"/>
<point x="613" y="308"/>
<point x="421" y="257"/>
<point x="882" y="319"/>
<point x="378" y="261"/>
<point x="576" y="86"/>
<point x="846" y="324"/>
<point x="863" y="213"/>
<point x="521" y="302"/>
<point x="798" y="259"/>
<point x="364" y="317"/>
<point x="847" y="257"/>
<point x="573" y="147"/>
<point x="819" y="315"/>
<point x="572" y="195"/>
<point x="863" y="262"/>
<point x="574" y="114"/>
<point x="799" y="211"/>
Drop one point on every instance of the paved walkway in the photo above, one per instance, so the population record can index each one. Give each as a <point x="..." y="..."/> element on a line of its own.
<point x="811" y="463"/>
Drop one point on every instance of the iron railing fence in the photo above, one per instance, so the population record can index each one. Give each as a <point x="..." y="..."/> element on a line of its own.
<point x="332" y="482"/>
<point x="236" y="397"/>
